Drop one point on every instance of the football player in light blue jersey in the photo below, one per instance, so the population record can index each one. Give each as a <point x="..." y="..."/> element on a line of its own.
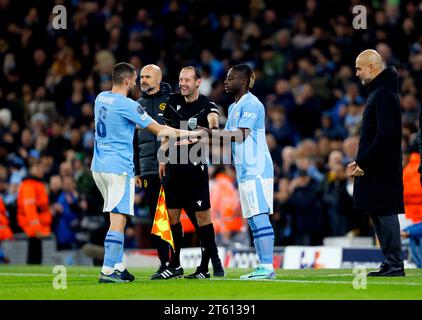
<point x="245" y="128"/>
<point x="254" y="166"/>
<point x="116" y="117"/>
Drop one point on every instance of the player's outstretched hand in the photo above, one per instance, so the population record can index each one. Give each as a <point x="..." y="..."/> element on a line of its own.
<point x="202" y="131"/>
<point x="185" y="142"/>
<point x="138" y="181"/>
<point x="161" y="170"/>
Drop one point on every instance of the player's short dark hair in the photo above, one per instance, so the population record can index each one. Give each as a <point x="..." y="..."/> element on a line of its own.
<point x="121" y="71"/>
<point x="198" y="74"/>
<point x="247" y="72"/>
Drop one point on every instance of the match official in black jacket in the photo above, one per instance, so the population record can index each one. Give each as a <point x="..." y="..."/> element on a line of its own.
<point x="378" y="186"/>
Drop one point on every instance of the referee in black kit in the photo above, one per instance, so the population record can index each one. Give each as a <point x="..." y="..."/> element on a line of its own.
<point x="186" y="185"/>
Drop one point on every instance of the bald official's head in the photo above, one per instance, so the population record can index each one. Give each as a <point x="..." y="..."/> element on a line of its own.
<point x="150" y="79"/>
<point x="368" y="65"/>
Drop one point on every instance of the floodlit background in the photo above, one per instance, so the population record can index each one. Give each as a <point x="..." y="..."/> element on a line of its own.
<point x="303" y="54"/>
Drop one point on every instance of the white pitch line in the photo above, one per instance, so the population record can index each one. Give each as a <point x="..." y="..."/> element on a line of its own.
<point x="320" y="275"/>
<point x="233" y="279"/>
<point x="321" y="281"/>
<point x="43" y="275"/>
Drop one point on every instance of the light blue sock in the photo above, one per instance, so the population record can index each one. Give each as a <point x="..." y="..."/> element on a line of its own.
<point x="119" y="265"/>
<point x="255" y="241"/>
<point x="264" y="235"/>
<point x="113" y="245"/>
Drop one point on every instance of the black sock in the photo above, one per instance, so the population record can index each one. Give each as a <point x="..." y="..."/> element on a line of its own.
<point x="163" y="249"/>
<point x="34" y="251"/>
<point x="177" y="232"/>
<point x="209" y="247"/>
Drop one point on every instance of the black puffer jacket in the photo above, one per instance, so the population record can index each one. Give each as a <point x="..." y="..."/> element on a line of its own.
<point x="146" y="144"/>
<point x="380" y="190"/>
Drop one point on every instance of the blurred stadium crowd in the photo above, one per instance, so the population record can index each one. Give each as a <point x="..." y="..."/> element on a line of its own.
<point x="303" y="54"/>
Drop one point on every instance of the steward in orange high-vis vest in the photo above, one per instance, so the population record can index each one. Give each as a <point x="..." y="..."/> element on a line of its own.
<point x="412" y="189"/>
<point x="5" y="231"/>
<point x="225" y="205"/>
<point x="33" y="214"/>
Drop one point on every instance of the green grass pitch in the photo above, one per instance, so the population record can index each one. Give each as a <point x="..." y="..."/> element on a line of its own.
<point x="36" y="282"/>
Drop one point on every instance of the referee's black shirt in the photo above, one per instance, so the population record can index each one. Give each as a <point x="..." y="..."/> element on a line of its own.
<point x="180" y="114"/>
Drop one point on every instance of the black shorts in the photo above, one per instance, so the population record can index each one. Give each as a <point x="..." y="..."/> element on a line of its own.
<point x="187" y="186"/>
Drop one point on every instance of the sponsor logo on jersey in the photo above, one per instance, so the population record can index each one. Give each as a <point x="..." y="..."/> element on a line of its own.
<point x="251" y="115"/>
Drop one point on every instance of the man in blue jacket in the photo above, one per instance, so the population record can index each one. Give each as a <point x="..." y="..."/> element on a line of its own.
<point x="414" y="233"/>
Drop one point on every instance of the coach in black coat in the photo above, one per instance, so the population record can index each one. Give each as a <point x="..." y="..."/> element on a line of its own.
<point x="378" y="187"/>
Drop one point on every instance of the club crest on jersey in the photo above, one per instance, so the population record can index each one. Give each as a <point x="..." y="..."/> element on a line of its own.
<point x="192" y="123"/>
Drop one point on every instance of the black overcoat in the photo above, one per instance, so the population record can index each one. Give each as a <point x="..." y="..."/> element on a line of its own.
<point x="380" y="190"/>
